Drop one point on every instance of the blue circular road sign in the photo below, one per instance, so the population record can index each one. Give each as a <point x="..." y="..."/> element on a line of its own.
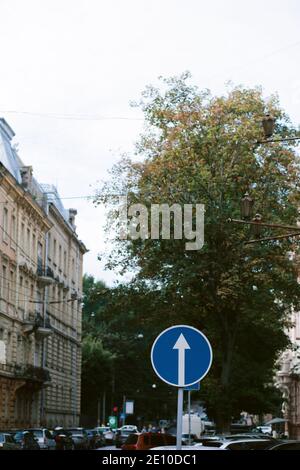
<point x="181" y="355"/>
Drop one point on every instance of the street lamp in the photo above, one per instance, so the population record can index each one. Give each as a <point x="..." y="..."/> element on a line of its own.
<point x="257" y="224"/>
<point x="268" y="123"/>
<point x="246" y="207"/>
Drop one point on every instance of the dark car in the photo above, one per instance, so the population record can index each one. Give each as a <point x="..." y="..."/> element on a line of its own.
<point x="148" y="440"/>
<point x="7" y="442"/>
<point x="287" y="445"/>
<point x="63" y="439"/>
<point x="121" y="437"/>
<point x="80" y="438"/>
<point x="44" y="438"/>
<point x="26" y="440"/>
<point x="95" y="438"/>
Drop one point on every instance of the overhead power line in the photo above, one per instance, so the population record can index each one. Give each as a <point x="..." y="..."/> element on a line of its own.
<point x="72" y="117"/>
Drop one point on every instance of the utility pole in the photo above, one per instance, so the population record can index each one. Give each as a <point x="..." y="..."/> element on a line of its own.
<point x="124" y="410"/>
<point x="104" y="411"/>
<point x="99" y="412"/>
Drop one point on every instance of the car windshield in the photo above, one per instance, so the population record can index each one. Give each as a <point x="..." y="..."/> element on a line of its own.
<point x="76" y="432"/>
<point x="37" y="432"/>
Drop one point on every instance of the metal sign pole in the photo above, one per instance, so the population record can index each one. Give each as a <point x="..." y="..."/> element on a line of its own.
<point x="189" y="412"/>
<point x="179" y="418"/>
<point x="124" y="410"/>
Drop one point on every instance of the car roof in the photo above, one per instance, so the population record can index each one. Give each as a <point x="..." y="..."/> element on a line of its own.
<point x="241" y="441"/>
<point x="283" y="442"/>
<point x="194" y="448"/>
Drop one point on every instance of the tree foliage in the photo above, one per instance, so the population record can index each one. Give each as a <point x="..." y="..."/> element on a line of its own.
<point x="199" y="148"/>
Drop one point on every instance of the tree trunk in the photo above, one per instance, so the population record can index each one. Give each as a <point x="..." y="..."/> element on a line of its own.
<point x="223" y="408"/>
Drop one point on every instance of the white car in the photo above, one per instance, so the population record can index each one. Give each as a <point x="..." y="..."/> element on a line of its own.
<point x="44" y="437"/>
<point x="107" y="433"/>
<point x="129" y="427"/>
<point x="193" y="448"/>
<point x="241" y="444"/>
<point x="265" y="429"/>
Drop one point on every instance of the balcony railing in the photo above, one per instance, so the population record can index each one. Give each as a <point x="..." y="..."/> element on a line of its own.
<point x="40" y="322"/>
<point x="32" y="373"/>
<point x="45" y="275"/>
<point x="45" y="271"/>
<point x="26" y="372"/>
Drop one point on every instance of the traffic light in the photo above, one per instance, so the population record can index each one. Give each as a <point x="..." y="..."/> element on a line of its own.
<point x="115" y="409"/>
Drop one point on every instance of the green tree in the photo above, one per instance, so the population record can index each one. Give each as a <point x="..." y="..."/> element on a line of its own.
<point x="116" y="349"/>
<point x="198" y="148"/>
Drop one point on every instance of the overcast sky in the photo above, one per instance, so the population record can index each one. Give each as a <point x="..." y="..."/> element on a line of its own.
<point x="91" y="58"/>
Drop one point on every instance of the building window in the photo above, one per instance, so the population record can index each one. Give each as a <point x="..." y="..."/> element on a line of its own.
<point x="11" y="290"/>
<point x="28" y="242"/>
<point x="65" y="263"/>
<point x="33" y="246"/>
<point x="5" y="224"/>
<point x="54" y="251"/>
<point x="22" y="235"/>
<point x="40" y="255"/>
<point x="13" y="232"/>
<point x="59" y="258"/>
<point x="49" y="247"/>
<point x="73" y="269"/>
<point x="21" y="294"/>
<point x="4" y="282"/>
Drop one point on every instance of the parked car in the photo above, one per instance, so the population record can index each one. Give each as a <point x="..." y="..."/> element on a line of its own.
<point x="148" y="440"/>
<point x="80" y="438"/>
<point x="63" y="439"/>
<point x="192" y="448"/>
<point x="102" y="429"/>
<point x="242" y="444"/>
<point x="95" y="438"/>
<point x="121" y="437"/>
<point x="44" y="437"/>
<point x="129" y="427"/>
<point x="287" y="445"/>
<point x="187" y="437"/>
<point x="26" y="440"/>
<point x="107" y="432"/>
<point x="7" y="442"/>
<point x="264" y="429"/>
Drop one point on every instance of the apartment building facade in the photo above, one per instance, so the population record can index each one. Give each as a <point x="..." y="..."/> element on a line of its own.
<point x="40" y="299"/>
<point x="288" y="380"/>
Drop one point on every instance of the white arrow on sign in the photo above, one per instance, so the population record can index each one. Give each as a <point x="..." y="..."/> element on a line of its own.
<point x="181" y="344"/>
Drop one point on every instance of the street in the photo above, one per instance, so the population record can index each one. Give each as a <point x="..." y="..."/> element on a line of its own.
<point x="108" y="448"/>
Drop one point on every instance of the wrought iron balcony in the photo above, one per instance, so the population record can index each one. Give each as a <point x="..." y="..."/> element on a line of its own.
<point x="45" y="275"/>
<point x="42" y="328"/>
<point x="32" y="373"/>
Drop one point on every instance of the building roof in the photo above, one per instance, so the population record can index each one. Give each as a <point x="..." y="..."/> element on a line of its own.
<point x="13" y="163"/>
<point x="8" y="155"/>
